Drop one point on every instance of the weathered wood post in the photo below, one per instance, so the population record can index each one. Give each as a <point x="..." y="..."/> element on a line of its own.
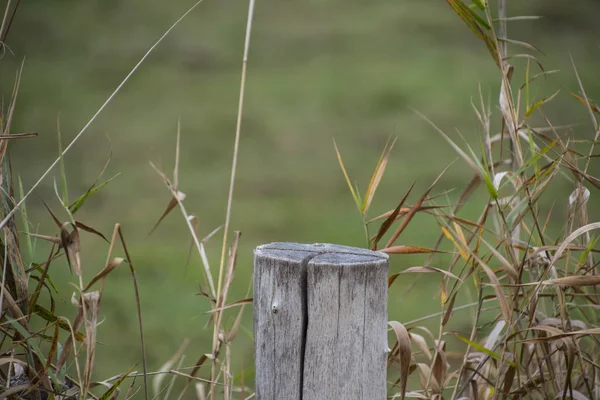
<point x="320" y="322"/>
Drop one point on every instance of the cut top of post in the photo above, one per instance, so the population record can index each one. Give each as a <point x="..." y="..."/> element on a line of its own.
<point x="297" y="252"/>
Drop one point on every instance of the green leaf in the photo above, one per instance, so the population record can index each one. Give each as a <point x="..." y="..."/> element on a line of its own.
<point x="484" y="350"/>
<point x="537" y="104"/>
<point x="108" y="394"/>
<point x="51" y="317"/>
<point x="76" y="205"/>
<point x="479" y="4"/>
<point x="589" y="248"/>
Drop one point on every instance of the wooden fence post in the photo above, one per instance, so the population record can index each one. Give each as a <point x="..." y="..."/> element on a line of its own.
<point x="320" y="322"/>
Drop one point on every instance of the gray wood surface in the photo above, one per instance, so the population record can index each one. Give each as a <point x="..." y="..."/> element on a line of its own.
<point x="320" y="322"/>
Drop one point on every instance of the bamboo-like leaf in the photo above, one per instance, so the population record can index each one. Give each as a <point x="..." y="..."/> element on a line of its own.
<point x="105" y="271"/>
<point x="481" y="348"/>
<point x="463" y="253"/>
<point x="539" y="103"/>
<point x="172" y="203"/>
<point x="574" y="281"/>
<point x="108" y="395"/>
<point x="405" y="353"/>
<point x="71" y="243"/>
<point x="427" y="269"/>
<point x="230" y="305"/>
<point x="51" y="317"/>
<point x="385" y="226"/>
<point x="456" y="148"/>
<point x="76" y="205"/>
<point x="449" y="309"/>
<point x="156" y="383"/>
<point x="414" y="210"/>
<point x="526" y="45"/>
<point x="352" y="190"/>
<point x="409" y="250"/>
<point x="595" y="108"/>
<point x="506" y="310"/>
<point x="376" y="177"/>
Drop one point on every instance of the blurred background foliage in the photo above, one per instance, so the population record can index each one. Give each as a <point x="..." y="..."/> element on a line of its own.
<point x="349" y="70"/>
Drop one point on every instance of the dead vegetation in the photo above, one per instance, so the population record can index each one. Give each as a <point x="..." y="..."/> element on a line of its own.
<point x="535" y="328"/>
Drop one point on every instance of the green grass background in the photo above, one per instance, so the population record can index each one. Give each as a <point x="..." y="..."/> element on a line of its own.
<point x="349" y="70"/>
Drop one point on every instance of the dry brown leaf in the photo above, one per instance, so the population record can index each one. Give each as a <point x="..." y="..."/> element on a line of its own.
<point x="419" y="340"/>
<point x="89" y="229"/>
<point x="405" y="353"/>
<point x="172" y="203"/>
<point x="385" y="226"/>
<point x="230" y="305"/>
<point x="449" y="310"/>
<point x="574" y="281"/>
<point x="425" y="269"/>
<point x="408" y="250"/>
<point x="507" y="266"/>
<point x="71" y="243"/>
<point x="506" y="310"/>
<point x="105" y="271"/>
<point x="440" y="365"/>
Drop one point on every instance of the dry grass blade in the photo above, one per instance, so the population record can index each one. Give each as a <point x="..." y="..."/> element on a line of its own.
<point x="403" y="211"/>
<point x="458" y="150"/>
<point x="156" y="383"/>
<point x="89" y="229"/>
<point x="459" y="244"/>
<point x="402" y="249"/>
<point x="414" y="210"/>
<point x="377" y="175"/>
<point x="197" y="242"/>
<point x="405" y="353"/>
<point x="449" y="309"/>
<point x="428" y="385"/>
<point x="138" y="307"/>
<point x="574" y="281"/>
<point x="231" y="335"/>
<point x="18" y="136"/>
<point x="426" y="269"/>
<point x="177" y="197"/>
<point x="506" y="311"/>
<point x="230" y="305"/>
<point x="595" y="108"/>
<point x="439" y="364"/>
<point x="508" y="267"/>
<point x="350" y="186"/>
<point x="195" y="223"/>
<point x="41" y="281"/>
<point x="419" y="340"/>
<point x="105" y="271"/>
<point x="91" y="303"/>
<point x="234" y="161"/>
<point x="51" y="239"/>
<point x="385" y="226"/>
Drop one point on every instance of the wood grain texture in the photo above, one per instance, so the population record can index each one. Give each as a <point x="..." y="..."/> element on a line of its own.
<point x="320" y="320"/>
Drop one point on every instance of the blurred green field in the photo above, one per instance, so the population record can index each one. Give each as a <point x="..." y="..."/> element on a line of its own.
<point x="318" y="70"/>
